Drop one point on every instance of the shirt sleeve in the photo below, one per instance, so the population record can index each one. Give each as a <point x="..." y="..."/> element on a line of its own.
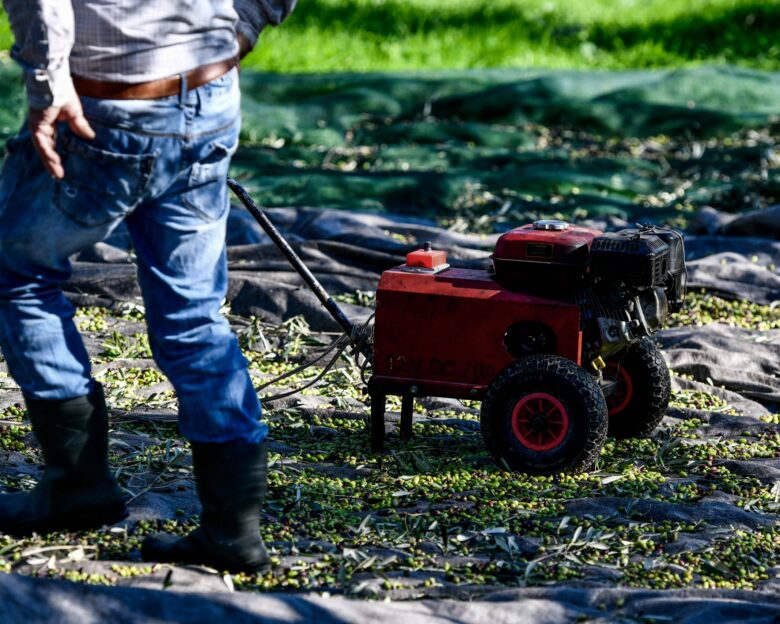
<point x="44" y="32"/>
<point x="254" y="15"/>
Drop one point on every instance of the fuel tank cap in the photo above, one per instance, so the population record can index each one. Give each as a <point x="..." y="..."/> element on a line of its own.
<point x="551" y="224"/>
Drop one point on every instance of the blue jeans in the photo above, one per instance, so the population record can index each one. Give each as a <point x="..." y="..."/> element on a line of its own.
<point x="161" y="166"/>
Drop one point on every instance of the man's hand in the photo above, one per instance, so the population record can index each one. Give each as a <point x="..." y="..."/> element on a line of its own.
<point x="43" y="127"/>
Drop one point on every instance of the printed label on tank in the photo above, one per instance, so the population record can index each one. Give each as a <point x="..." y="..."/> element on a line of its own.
<point x="538" y="250"/>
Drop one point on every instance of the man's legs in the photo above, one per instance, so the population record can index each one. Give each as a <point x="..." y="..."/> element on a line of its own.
<point x="182" y="271"/>
<point x="183" y="274"/>
<point x="45" y="354"/>
<point x="164" y="163"/>
<point x="179" y="240"/>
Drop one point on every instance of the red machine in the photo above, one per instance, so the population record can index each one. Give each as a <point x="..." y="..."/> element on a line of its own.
<point x="553" y="338"/>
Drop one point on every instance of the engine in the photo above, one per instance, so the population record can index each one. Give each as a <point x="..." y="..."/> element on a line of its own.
<point x="626" y="283"/>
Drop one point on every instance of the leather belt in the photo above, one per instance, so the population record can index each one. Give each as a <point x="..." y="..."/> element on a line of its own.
<point x="153" y="89"/>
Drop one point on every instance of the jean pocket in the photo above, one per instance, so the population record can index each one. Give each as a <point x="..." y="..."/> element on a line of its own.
<point x="100" y="186"/>
<point x="221" y="86"/>
<point x="207" y="184"/>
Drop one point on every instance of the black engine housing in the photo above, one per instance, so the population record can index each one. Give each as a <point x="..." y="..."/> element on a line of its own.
<point x="637" y="277"/>
<point x="642" y="258"/>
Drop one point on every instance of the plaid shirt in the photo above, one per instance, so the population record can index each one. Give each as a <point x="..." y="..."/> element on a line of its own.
<point x="128" y="41"/>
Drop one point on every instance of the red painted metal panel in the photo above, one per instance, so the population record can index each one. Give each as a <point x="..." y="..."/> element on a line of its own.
<point x="445" y="332"/>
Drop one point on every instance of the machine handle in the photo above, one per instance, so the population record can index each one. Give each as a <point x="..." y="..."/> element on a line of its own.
<point x="295" y="261"/>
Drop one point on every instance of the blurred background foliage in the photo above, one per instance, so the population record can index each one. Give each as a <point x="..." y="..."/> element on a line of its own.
<point x="364" y="35"/>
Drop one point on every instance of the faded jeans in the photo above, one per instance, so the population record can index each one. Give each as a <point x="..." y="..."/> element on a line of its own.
<point x="161" y="166"/>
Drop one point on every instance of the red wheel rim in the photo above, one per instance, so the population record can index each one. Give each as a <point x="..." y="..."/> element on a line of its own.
<point x="621" y="397"/>
<point x="540" y="421"/>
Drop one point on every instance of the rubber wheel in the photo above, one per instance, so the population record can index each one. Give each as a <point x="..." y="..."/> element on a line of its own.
<point x="644" y="387"/>
<point x="543" y="414"/>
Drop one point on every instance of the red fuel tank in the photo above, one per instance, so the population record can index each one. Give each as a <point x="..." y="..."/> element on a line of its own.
<point x="549" y="255"/>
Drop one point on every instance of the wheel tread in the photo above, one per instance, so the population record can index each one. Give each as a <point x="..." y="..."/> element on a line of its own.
<point x="584" y="385"/>
<point x="641" y="425"/>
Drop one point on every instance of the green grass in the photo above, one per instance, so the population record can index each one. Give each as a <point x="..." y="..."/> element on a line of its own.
<point x="361" y="35"/>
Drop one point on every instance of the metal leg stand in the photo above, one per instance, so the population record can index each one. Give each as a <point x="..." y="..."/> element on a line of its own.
<point x="407" y="413"/>
<point x="377" y="423"/>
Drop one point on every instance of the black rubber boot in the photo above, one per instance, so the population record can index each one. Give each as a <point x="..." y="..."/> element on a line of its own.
<point x="77" y="490"/>
<point x="231" y="481"/>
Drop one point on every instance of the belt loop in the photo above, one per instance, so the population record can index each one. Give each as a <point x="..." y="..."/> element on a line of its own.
<point x="182" y="89"/>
